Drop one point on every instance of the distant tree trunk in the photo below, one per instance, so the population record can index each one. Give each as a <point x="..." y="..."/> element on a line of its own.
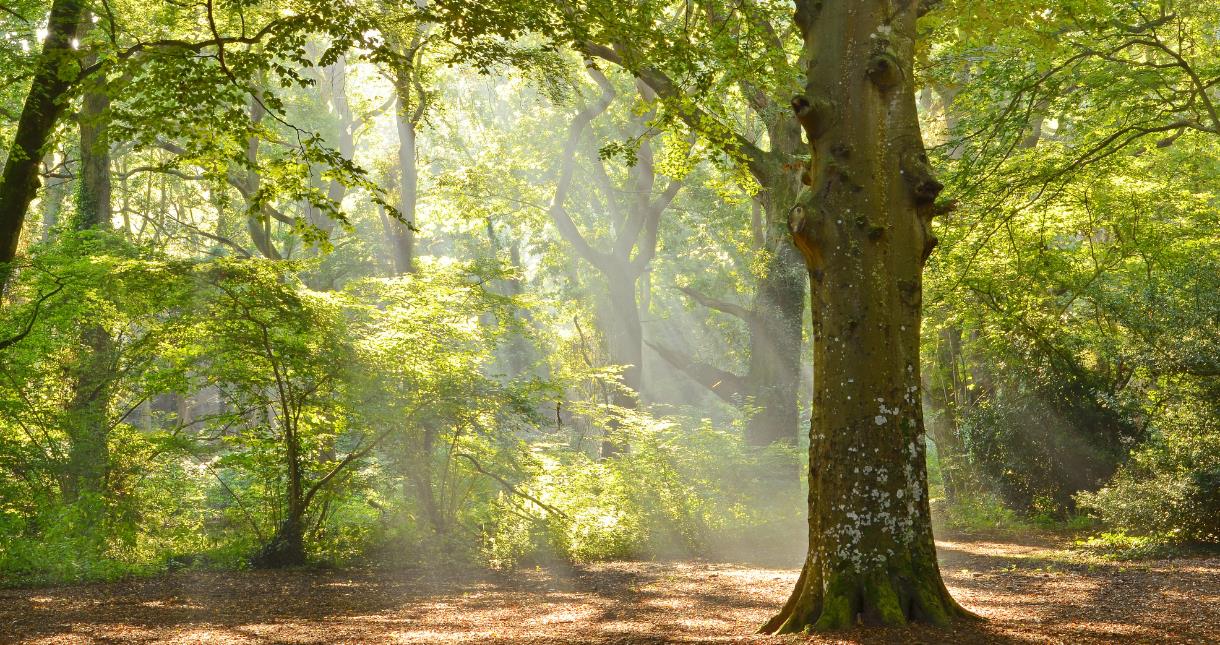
<point x="337" y="80"/>
<point x="88" y="414"/>
<point x="625" y="344"/>
<point x="774" y="322"/>
<point x="632" y="249"/>
<point x="402" y="237"/>
<point x="519" y="352"/>
<point x="258" y="222"/>
<point x="332" y="81"/>
<point x="53" y="77"/>
<point x="945" y="394"/>
<point x="53" y="201"/>
<point x="863" y="228"/>
<point x="774" y="319"/>
<point x="774" y="373"/>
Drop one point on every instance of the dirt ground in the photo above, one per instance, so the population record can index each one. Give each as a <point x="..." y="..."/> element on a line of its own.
<point x="1025" y="587"/>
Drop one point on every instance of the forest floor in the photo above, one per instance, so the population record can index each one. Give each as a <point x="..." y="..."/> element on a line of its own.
<point x="1029" y="588"/>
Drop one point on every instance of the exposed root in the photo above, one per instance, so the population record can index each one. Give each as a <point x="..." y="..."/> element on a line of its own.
<point x="878" y="598"/>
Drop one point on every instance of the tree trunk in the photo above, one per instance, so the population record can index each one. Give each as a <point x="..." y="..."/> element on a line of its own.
<point x="402" y="237"/>
<point x="519" y="353"/>
<point x="258" y="221"/>
<point x="94" y="196"/>
<point x="53" y="201"/>
<point x="53" y="77"/>
<point x="88" y="414"/>
<point x="287" y="546"/>
<point x="625" y="342"/>
<point x="335" y="190"/>
<point x="947" y="396"/>
<point x="774" y="373"/>
<point x="864" y="230"/>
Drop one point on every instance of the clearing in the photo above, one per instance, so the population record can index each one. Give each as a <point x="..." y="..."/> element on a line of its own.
<point x="1030" y="591"/>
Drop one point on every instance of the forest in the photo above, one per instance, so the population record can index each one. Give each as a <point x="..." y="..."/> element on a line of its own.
<point x="644" y="321"/>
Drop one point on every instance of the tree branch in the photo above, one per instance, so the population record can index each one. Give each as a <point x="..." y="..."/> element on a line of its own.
<point x="29" y="325"/>
<point x="726" y="385"/>
<point x="747" y="316"/>
<point x="760" y="163"/>
<point x="559" y="215"/>
<point x="510" y="487"/>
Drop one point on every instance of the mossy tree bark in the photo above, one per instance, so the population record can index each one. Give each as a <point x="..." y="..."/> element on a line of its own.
<point x="863" y="227"/>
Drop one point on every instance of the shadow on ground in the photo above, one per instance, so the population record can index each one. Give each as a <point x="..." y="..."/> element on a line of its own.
<point x="1022" y="584"/>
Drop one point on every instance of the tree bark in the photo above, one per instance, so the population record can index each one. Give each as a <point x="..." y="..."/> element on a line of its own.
<point x="88" y="413"/>
<point x="863" y="228"/>
<point x="44" y="104"/>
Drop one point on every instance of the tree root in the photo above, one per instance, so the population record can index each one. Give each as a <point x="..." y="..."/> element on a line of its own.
<point x="885" y="597"/>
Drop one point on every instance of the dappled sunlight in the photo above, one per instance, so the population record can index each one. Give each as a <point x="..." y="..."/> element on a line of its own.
<point x="676" y="601"/>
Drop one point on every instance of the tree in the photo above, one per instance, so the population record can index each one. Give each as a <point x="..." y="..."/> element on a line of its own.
<point x="280" y="356"/>
<point x="45" y="102"/>
<point x="243" y="44"/>
<point x="864" y="230"/>
<point x="739" y="41"/>
<point x="94" y="370"/>
<point x="633" y="247"/>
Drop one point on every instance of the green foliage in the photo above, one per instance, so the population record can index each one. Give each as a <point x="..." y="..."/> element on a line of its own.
<point x="1118" y="545"/>
<point x="1036" y="455"/>
<point x="1168" y="491"/>
<point x="680" y="490"/>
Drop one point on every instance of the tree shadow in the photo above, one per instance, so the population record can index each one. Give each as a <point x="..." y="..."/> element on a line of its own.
<point x="1028" y="594"/>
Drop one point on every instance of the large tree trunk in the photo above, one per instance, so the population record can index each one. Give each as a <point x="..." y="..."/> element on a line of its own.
<point x="53" y="77"/>
<point x="863" y="228"/>
<point x="88" y="414"/>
